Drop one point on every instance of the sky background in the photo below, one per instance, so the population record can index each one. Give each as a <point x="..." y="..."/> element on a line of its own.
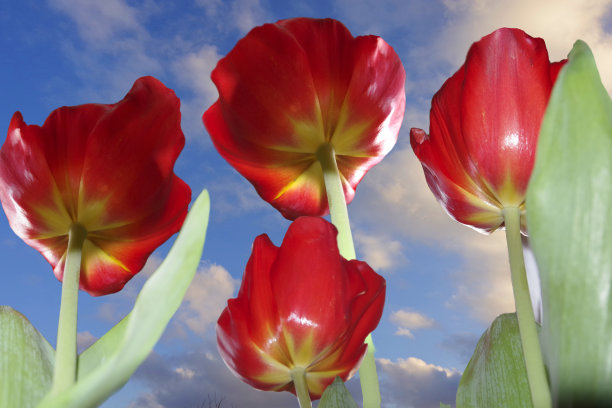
<point x="445" y="282"/>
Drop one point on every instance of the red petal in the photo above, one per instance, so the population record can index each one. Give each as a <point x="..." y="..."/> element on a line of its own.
<point x="312" y="292"/>
<point x="506" y="90"/>
<point x="107" y="167"/>
<point x="248" y="332"/>
<point x="484" y="126"/>
<point x="289" y="87"/>
<point x="300" y="305"/>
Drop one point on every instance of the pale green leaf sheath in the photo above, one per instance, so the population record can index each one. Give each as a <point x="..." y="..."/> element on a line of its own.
<point x="26" y="361"/>
<point x="569" y="219"/>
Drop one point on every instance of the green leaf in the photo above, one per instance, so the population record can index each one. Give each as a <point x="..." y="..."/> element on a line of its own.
<point x="569" y="219"/>
<point x="336" y="395"/>
<point x="443" y="405"/>
<point x="496" y="374"/>
<point x="26" y="361"/>
<point x="108" y="364"/>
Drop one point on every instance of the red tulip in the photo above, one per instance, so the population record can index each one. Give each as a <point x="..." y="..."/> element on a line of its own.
<point x="287" y="89"/>
<point x="108" y="168"/>
<point x="484" y="126"/>
<point x="300" y="306"/>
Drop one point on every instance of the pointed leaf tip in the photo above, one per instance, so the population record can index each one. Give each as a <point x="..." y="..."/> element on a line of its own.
<point x="337" y="396"/>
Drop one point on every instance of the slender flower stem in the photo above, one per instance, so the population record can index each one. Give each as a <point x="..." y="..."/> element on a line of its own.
<point x="339" y="217"/>
<point x="64" y="374"/>
<point x="298" y="375"/>
<point x="536" y="374"/>
<point x="335" y="197"/>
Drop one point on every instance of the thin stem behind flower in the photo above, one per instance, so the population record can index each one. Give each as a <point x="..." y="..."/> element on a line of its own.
<point x="298" y="375"/>
<point x="64" y="374"/>
<point x="536" y="374"/>
<point x="339" y="217"/>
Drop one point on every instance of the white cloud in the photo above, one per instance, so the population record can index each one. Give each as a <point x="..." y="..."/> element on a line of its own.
<point x="192" y="71"/>
<point x="211" y="6"/>
<point x="115" y="49"/>
<point x="192" y="379"/>
<point x="99" y="22"/>
<point x="234" y="195"/>
<point x="246" y="14"/>
<point x="368" y="17"/>
<point x="206" y="298"/>
<point x="408" y="320"/>
<point x="84" y="340"/>
<point x="380" y="252"/>
<point x="241" y="15"/>
<point x="407" y="208"/>
<point x="469" y="20"/>
<point x="185" y="373"/>
<point x="413" y="383"/>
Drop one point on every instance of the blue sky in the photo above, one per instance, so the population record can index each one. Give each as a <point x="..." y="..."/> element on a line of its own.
<point x="445" y="282"/>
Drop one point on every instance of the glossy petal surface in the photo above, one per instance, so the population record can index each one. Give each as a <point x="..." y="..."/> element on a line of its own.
<point x="484" y="125"/>
<point x="286" y="89"/>
<point x="300" y="305"/>
<point x="107" y="167"/>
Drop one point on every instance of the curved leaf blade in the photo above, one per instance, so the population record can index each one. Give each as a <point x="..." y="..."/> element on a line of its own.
<point x="113" y="359"/>
<point x="26" y="361"/>
<point x="569" y="219"/>
<point x="496" y="374"/>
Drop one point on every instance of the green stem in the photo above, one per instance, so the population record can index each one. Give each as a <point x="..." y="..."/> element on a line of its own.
<point x="336" y="200"/>
<point x="339" y="217"/>
<point x="298" y="375"/>
<point x="536" y="373"/>
<point x="64" y="374"/>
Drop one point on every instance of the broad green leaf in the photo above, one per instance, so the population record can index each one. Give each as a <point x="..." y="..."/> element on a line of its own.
<point x="336" y="395"/>
<point x="496" y="375"/>
<point x="26" y="361"/>
<point x="108" y="364"/>
<point x="569" y="219"/>
<point x="443" y="405"/>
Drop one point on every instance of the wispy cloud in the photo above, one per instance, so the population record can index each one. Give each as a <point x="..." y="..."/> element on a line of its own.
<point x="192" y="72"/>
<point x="240" y="15"/>
<point x="408" y="320"/>
<point x="101" y="22"/>
<point x="246" y="14"/>
<point x="205" y="299"/>
<point x="413" y="383"/>
<point x="469" y="20"/>
<point x="407" y="208"/>
<point x="190" y="379"/>
<point x="84" y="340"/>
<point x="380" y="252"/>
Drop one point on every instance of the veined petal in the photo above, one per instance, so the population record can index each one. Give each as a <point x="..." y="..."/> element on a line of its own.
<point x="325" y="275"/>
<point x="300" y="305"/>
<point x="484" y="124"/>
<point x="503" y="100"/>
<point x="106" y="167"/>
<point x="286" y="89"/>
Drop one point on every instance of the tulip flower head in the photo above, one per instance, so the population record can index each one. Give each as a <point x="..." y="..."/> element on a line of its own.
<point x="291" y="88"/>
<point x="107" y="169"/>
<point x="300" y="307"/>
<point x="484" y="126"/>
